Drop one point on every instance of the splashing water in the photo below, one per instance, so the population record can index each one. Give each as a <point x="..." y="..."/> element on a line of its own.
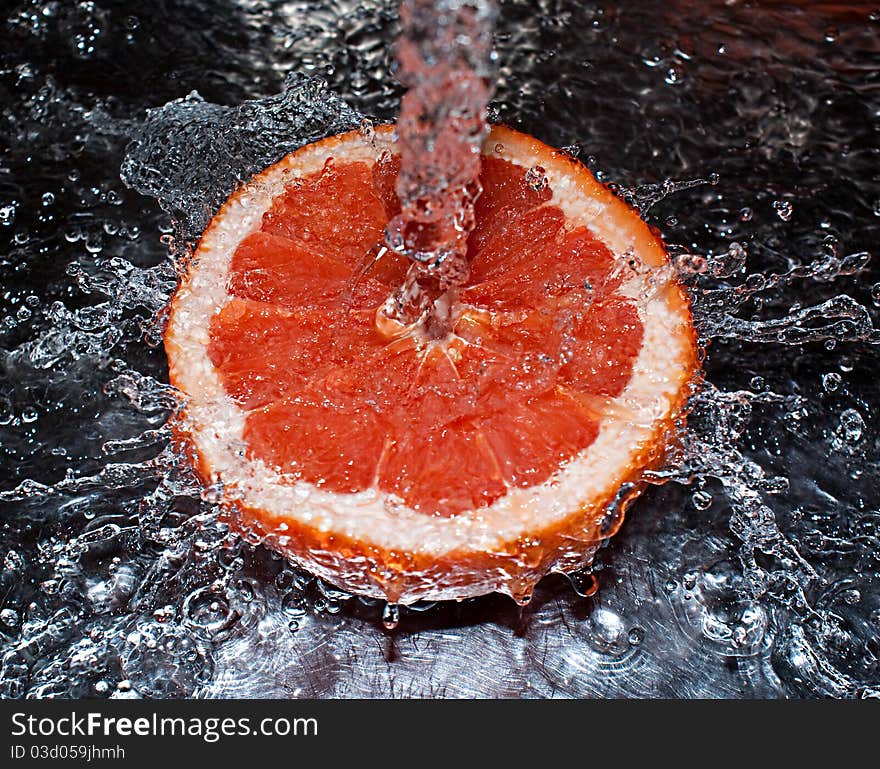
<point x="443" y="56"/>
<point x="750" y="569"/>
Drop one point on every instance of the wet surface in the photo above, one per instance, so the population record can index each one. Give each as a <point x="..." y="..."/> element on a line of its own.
<point x="758" y="579"/>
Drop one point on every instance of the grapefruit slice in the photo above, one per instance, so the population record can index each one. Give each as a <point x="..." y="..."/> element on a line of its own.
<point x="404" y="467"/>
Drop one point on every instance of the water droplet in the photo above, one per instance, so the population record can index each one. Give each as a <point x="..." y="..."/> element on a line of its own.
<point x="784" y="209"/>
<point x="390" y="616"/>
<point x="607" y="632"/>
<point x="831" y="381"/>
<point x="7" y="215"/>
<point x="536" y="178"/>
<point x="584" y="583"/>
<point x="702" y="500"/>
<point x="852" y="597"/>
<point x="367" y="130"/>
<point x="852" y="426"/>
<point x="674" y="74"/>
<point x="636" y="636"/>
<point x="9" y="617"/>
<point x="29" y="415"/>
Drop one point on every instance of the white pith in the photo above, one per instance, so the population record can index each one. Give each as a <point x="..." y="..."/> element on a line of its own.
<point x="216" y="423"/>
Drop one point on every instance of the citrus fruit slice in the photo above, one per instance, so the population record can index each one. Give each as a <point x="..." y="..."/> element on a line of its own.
<point x="405" y="467"/>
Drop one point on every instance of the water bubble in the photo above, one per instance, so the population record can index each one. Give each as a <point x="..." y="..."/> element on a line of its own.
<point x="831" y="381"/>
<point x="367" y="130"/>
<point x="702" y="500"/>
<point x="536" y="178"/>
<point x="746" y="214"/>
<point x="674" y="74"/>
<point x="852" y="597"/>
<point x="207" y="609"/>
<point x="9" y="617"/>
<point x="607" y="632"/>
<point x="7" y="215"/>
<point x="48" y="198"/>
<point x="584" y="583"/>
<point x="852" y="425"/>
<point x="875" y="294"/>
<point x="784" y="209"/>
<point x="636" y="636"/>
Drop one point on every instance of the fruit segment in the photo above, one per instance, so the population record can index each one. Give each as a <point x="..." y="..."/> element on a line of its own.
<point x="336" y="212"/>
